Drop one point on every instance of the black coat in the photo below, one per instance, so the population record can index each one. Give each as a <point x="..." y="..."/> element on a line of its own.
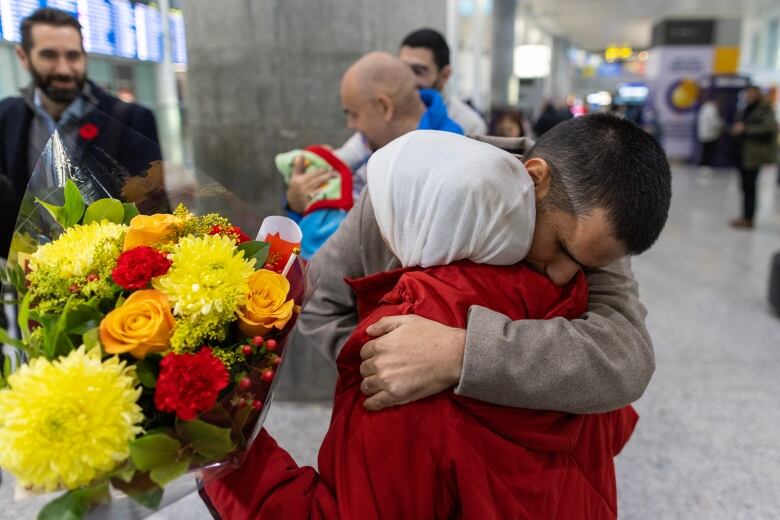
<point x="115" y="140"/>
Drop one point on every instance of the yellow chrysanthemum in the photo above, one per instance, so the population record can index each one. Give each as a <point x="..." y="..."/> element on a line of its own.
<point x="65" y="423"/>
<point x="73" y="253"/>
<point x="208" y="275"/>
<point x="206" y="283"/>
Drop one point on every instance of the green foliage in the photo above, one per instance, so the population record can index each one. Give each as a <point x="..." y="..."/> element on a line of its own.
<point x="126" y="472"/>
<point x="257" y="250"/>
<point x="70" y="213"/>
<point x="150" y="499"/>
<point x="147" y="370"/>
<point x="74" y="211"/>
<point x="74" y="204"/>
<point x="13" y="275"/>
<point x="8" y="366"/>
<point x="23" y="317"/>
<point x="161" y="475"/>
<point x="105" y="209"/>
<point x="91" y="338"/>
<point x="8" y="340"/>
<point x="76" y="503"/>
<point x="151" y="451"/>
<point x="63" y="332"/>
<point x="212" y="442"/>
<point x="130" y="211"/>
<point x="239" y="421"/>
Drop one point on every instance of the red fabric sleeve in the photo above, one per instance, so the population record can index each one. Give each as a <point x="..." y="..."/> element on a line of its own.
<point x="270" y="485"/>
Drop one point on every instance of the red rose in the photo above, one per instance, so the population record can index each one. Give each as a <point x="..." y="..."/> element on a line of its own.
<point x="137" y="266"/>
<point x="189" y="383"/>
<point x="89" y="131"/>
<point x="233" y="232"/>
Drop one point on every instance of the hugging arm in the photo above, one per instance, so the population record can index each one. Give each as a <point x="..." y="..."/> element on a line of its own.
<point x="600" y="362"/>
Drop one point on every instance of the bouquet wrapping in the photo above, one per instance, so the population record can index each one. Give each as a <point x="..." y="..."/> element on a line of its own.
<point x="152" y="328"/>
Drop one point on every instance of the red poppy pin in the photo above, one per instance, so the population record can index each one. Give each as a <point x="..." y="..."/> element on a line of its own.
<point x="89" y="131"/>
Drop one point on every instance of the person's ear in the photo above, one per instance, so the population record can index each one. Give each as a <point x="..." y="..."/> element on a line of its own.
<point x="24" y="59"/>
<point x="444" y="76"/>
<point x="386" y="107"/>
<point x="540" y="172"/>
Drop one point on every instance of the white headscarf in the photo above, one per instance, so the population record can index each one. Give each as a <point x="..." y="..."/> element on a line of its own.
<point x="441" y="197"/>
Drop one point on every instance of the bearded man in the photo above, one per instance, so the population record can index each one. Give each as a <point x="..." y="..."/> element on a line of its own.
<point x="61" y="97"/>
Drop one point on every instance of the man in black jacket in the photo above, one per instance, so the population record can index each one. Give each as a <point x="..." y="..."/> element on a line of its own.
<point x="62" y="98"/>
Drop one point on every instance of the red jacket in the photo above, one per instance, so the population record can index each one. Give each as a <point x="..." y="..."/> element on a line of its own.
<point x="446" y="456"/>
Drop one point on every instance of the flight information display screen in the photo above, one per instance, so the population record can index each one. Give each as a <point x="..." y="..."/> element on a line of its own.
<point x="119" y="28"/>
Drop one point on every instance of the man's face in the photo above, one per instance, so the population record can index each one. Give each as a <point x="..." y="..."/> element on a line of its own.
<point x="56" y="61"/>
<point x="426" y="73"/>
<point x="563" y="243"/>
<point x="364" y="114"/>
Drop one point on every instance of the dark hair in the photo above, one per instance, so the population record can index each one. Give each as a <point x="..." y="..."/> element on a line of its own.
<point x="430" y="39"/>
<point x="606" y="161"/>
<point x="46" y="16"/>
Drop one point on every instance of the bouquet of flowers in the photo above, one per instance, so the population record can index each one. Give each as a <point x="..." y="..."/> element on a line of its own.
<point x="149" y="343"/>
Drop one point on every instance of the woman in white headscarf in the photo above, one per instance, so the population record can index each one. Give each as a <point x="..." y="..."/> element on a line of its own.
<point x="440" y="197"/>
<point x="447" y="206"/>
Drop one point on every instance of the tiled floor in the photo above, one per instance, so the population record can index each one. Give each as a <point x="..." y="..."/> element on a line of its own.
<point x="708" y="442"/>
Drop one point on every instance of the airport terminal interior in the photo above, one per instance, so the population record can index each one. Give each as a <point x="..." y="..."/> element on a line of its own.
<point x="230" y="87"/>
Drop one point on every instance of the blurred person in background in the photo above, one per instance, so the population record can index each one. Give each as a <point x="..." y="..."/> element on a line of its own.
<point x="427" y="53"/>
<point x="550" y="116"/>
<point x="709" y="126"/>
<point x="62" y="98"/>
<point x="508" y="122"/>
<point x="756" y="133"/>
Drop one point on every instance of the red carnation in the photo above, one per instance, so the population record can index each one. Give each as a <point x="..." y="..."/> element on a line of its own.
<point x="189" y="383"/>
<point x="89" y="131"/>
<point x="233" y="232"/>
<point x="137" y="266"/>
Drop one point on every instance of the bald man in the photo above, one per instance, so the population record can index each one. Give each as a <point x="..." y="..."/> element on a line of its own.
<point x="382" y="103"/>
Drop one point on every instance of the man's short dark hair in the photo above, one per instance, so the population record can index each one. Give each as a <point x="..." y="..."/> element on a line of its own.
<point x="46" y="16"/>
<point x="433" y="40"/>
<point x="606" y="161"/>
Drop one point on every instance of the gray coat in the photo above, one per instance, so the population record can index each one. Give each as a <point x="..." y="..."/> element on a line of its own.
<point x="597" y="363"/>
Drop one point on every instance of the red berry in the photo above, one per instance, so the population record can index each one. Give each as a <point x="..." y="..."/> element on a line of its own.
<point x="74" y="288"/>
<point x="257" y="405"/>
<point x="241" y="403"/>
<point x="277" y="360"/>
<point x="271" y="345"/>
<point x="258" y="341"/>
<point x="244" y="383"/>
<point x="267" y="375"/>
<point x="92" y="277"/>
<point x="246" y="350"/>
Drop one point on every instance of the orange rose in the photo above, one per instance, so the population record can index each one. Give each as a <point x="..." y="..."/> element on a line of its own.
<point x="142" y="325"/>
<point x="266" y="306"/>
<point x="148" y="230"/>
